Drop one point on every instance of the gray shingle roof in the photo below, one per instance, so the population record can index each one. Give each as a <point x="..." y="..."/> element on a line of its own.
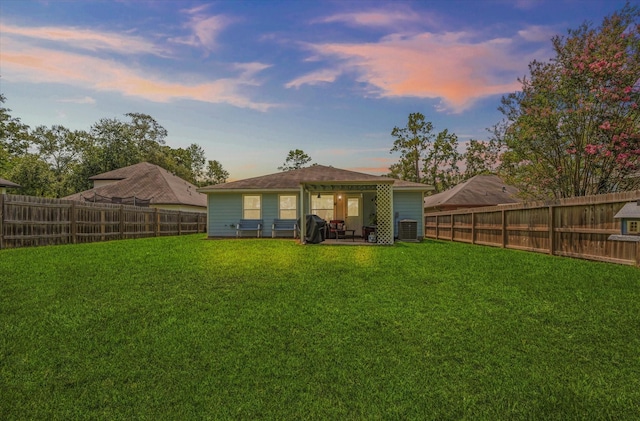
<point x="146" y="181"/>
<point x="481" y="190"/>
<point x="630" y="210"/>
<point x="290" y="180"/>
<point x="7" y="183"/>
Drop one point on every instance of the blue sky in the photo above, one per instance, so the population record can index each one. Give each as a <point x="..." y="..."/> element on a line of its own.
<point x="250" y="80"/>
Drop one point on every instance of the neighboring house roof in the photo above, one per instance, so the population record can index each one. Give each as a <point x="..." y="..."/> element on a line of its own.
<point x="291" y="180"/>
<point x="7" y="183"/>
<point x="481" y="190"/>
<point x="146" y="181"/>
<point x="630" y="210"/>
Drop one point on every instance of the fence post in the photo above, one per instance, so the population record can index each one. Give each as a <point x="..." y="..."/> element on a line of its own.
<point x="437" y="228"/>
<point x="122" y="222"/>
<point x="156" y="222"/>
<point x="504" y="229"/>
<point x="2" y="221"/>
<point x="102" y="225"/>
<point x="638" y="254"/>
<point x="73" y="223"/>
<point x="552" y="226"/>
<point x="473" y="227"/>
<point x="179" y="223"/>
<point x="452" y="225"/>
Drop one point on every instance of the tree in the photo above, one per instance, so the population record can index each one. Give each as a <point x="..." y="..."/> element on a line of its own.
<point x="574" y="128"/>
<point x="61" y="149"/>
<point x="480" y="157"/>
<point x="412" y="141"/>
<point x="33" y="174"/>
<point x="14" y="137"/>
<point x="295" y="160"/>
<point x="215" y="173"/>
<point x="441" y="163"/>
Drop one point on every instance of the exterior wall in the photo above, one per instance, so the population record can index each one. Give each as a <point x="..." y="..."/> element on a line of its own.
<point x="225" y="210"/>
<point x="408" y="205"/>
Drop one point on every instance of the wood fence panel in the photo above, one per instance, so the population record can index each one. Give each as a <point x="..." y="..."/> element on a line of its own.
<point x="27" y="221"/>
<point x="462" y="228"/>
<point x="528" y="229"/>
<point x="489" y="228"/>
<point x="576" y="227"/>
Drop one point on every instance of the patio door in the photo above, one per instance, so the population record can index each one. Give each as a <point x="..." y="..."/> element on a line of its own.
<point x="353" y="213"/>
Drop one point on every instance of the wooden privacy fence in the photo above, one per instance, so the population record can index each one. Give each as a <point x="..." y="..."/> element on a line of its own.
<point x="577" y="227"/>
<point x="27" y="221"/>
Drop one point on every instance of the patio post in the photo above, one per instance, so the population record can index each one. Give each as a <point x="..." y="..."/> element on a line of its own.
<point x="303" y="219"/>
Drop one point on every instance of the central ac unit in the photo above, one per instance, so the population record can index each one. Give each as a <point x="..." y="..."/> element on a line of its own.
<point x="408" y="230"/>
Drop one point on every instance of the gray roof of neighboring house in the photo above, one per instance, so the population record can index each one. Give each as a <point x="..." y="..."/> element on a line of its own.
<point x="291" y="180"/>
<point x="481" y="190"/>
<point x="146" y="181"/>
<point x="630" y="210"/>
<point x="7" y="183"/>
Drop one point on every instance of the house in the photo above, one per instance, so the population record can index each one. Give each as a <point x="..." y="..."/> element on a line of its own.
<point x="361" y="200"/>
<point x="144" y="184"/>
<point x="478" y="191"/>
<point x="6" y="184"/>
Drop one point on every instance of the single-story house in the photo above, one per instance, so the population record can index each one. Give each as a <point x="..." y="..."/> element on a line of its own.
<point x="478" y="191"/>
<point x="361" y="200"/>
<point x="144" y="184"/>
<point x="6" y="184"/>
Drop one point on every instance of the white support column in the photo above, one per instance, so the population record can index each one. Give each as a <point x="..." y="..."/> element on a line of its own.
<point x="384" y="231"/>
<point x="303" y="219"/>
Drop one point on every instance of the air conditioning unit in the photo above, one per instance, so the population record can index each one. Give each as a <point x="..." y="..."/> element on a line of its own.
<point x="408" y="230"/>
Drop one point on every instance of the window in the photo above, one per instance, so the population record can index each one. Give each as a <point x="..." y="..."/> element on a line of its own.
<point x="251" y="206"/>
<point x="288" y="207"/>
<point x="353" y="208"/>
<point x="633" y="227"/>
<point x="322" y="205"/>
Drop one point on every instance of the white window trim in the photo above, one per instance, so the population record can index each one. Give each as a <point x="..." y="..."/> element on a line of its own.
<point x="295" y="202"/>
<point x="243" y="209"/>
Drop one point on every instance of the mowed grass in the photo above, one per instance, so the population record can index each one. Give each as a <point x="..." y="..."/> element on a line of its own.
<point x="188" y="328"/>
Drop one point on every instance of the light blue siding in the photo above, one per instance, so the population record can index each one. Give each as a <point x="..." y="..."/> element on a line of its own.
<point x="408" y="205"/>
<point x="225" y="210"/>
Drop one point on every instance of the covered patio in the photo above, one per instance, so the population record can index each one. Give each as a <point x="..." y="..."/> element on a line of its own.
<point x="381" y="192"/>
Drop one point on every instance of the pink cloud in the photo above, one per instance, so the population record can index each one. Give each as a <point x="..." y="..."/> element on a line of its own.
<point x="376" y="18"/>
<point x="204" y="29"/>
<point x="447" y="66"/>
<point x="315" y="78"/>
<point x="86" y="39"/>
<point x="37" y="65"/>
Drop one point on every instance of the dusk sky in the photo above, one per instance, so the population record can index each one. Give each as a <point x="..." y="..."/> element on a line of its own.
<point x="250" y="80"/>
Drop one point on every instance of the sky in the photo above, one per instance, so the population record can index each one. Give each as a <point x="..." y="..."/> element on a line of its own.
<point x="249" y="81"/>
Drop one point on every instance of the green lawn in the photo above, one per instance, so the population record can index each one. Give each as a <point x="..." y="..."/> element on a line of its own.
<point x="185" y="328"/>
